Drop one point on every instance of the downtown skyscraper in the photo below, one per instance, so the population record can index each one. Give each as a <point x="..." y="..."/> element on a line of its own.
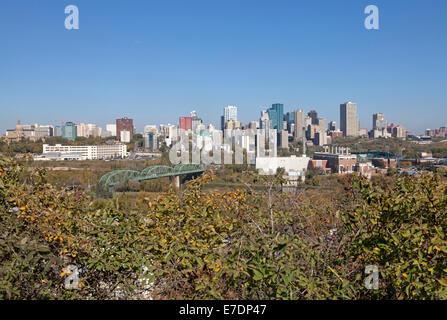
<point x="300" y="124"/>
<point x="349" y="120"/>
<point x="230" y="113"/>
<point x="276" y="115"/>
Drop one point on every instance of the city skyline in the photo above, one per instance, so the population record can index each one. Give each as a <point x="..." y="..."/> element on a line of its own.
<point x="105" y="124"/>
<point x="132" y="61"/>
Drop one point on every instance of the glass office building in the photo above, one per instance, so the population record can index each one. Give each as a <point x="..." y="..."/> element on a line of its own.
<point x="69" y="131"/>
<point x="276" y="115"/>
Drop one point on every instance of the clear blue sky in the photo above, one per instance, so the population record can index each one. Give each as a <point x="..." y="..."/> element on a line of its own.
<point x="156" y="60"/>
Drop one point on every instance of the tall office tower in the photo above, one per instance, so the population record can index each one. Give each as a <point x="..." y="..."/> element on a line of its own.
<point x="195" y="121"/>
<point x="313" y="116"/>
<point x="276" y="115"/>
<point x="185" y="123"/>
<point x="321" y="122"/>
<point x="380" y="126"/>
<point x="150" y="141"/>
<point x="230" y="113"/>
<point x="332" y="126"/>
<point x="283" y="139"/>
<point x="124" y="124"/>
<point x="265" y="122"/>
<point x="57" y="131"/>
<point x="290" y="119"/>
<point x="69" y="131"/>
<point x="379" y="121"/>
<point x="349" y="121"/>
<point x="300" y="124"/>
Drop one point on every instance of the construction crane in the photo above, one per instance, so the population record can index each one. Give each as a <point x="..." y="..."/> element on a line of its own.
<point x="63" y="121"/>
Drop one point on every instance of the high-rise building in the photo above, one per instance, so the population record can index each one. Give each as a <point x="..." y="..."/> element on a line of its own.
<point x="379" y="121"/>
<point x="349" y="121"/>
<point x="300" y="124"/>
<point x="195" y="121"/>
<point x="321" y="122"/>
<point x="124" y="124"/>
<point x="69" y="131"/>
<point x="81" y="130"/>
<point x="112" y="129"/>
<point x="332" y="126"/>
<point x="57" y="131"/>
<point x="290" y="120"/>
<point x="87" y="130"/>
<point x="150" y="141"/>
<point x="380" y="126"/>
<point x="313" y="115"/>
<point x="399" y="132"/>
<point x="276" y="115"/>
<point x="283" y="139"/>
<point x="265" y="122"/>
<point x="185" y="123"/>
<point x="230" y="113"/>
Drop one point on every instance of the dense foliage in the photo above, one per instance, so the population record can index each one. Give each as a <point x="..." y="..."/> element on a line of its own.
<point x="240" y="244"/>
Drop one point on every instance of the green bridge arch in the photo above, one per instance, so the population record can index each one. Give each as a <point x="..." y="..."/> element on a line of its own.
<point x="152" y="172"/>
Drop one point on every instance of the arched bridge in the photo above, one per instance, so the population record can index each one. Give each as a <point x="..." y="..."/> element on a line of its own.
<point x="153" y="172"/>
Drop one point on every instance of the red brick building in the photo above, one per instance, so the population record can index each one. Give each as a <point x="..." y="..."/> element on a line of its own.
<point x="185" y="123"/>
<point x="124" y="124"/>
<point x="322" y="164"/>
<point x="339" y="163"/>
<point x="384" y="163"/>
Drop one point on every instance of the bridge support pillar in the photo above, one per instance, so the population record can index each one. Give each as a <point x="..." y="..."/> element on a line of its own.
<point x="176" y="181"/>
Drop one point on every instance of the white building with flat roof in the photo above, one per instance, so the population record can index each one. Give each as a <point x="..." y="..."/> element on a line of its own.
<point x="88" y="152"/>
<point x="295" y="166"/>
<point x="125" y="136"/>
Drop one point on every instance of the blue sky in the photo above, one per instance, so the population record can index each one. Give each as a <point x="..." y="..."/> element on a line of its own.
<point x="156" y="60"/>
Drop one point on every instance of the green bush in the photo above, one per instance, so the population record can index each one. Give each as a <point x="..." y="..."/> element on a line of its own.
<point x="242" y="244"/>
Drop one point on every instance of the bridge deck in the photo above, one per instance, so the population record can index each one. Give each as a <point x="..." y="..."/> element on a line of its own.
<point x="153" y="172"/>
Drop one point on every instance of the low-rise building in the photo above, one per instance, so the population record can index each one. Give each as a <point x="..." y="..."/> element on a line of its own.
<point x="340" y="162"/>
<point x="384" y="163"/>
<point x="86" y="152"/>
<point x="293" y="166"/>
